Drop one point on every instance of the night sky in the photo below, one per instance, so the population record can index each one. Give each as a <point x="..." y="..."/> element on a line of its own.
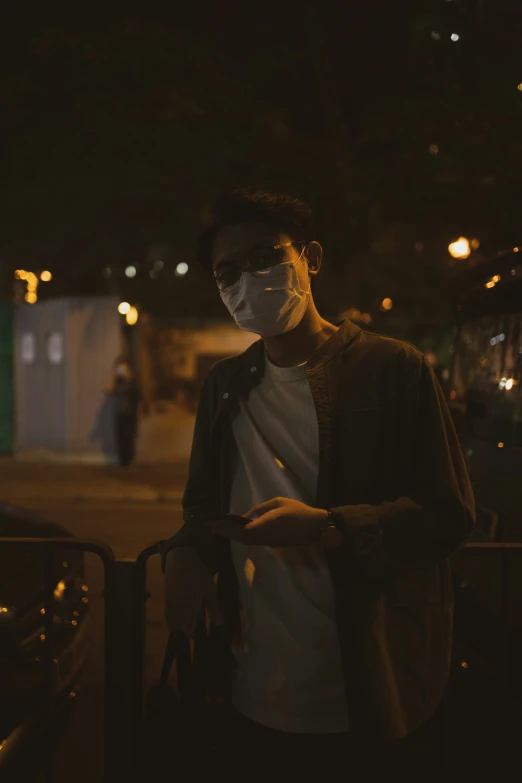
<point x="400" y="122"/>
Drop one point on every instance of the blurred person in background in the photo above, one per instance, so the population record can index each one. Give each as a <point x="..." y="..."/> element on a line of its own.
<point x="126" y="396"/>
<point x="334" y="604"/>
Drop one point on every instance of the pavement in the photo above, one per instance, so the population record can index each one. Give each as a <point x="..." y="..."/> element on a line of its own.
<point x="22" y="481"/>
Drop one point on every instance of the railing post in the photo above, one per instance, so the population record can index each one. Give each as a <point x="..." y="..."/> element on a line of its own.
<point x="507" y="696"/>
<point x="124" y="657"/>
<point x="49" y="661"/>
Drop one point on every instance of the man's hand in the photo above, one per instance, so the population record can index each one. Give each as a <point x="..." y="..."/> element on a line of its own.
<point x="276" y="523"/>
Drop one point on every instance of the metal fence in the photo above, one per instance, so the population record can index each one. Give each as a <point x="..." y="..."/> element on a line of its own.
<point x="125" y="598"/>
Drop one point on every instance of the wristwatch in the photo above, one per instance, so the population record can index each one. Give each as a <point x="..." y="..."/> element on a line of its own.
<point x="330" y="535"/>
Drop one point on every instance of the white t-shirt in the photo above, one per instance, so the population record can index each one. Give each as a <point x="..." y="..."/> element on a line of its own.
<point x="289" y="675"/>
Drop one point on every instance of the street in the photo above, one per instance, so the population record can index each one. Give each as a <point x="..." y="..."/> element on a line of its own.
<point x="128" y="526"/>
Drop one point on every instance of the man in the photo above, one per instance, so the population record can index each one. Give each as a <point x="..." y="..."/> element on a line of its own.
<point x="125" y="394"/>
<point x="336" y="600"/>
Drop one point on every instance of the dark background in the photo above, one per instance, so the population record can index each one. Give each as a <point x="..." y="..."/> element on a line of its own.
<point x="119" y="127"/>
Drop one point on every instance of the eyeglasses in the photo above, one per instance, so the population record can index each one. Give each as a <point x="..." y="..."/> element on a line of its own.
<point x="256" y="261"/>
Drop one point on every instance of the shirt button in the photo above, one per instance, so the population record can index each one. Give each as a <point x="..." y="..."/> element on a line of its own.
<point x="225" y="396"/>
<point x="253" y="369"/>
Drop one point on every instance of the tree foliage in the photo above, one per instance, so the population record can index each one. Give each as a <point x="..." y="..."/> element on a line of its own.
<point x="119" y="132"/>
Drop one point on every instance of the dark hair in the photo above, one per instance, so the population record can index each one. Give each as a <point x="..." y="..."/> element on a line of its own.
<point x="122" y="360"/>
<point x="242" y="205"/>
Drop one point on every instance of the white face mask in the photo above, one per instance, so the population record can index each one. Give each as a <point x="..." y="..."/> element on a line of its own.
<point x="270" y="303"/>
<point x="122" y="371"/>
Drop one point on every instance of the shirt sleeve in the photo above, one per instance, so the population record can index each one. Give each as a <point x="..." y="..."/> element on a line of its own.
<point x="435" y="512"/>
<point x="200" y="499"/>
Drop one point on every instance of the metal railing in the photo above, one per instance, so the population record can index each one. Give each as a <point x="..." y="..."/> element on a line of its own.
<point x="125" y="596"/>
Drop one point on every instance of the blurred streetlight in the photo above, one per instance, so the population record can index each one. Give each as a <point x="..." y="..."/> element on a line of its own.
<point x="124" y="308"/>
<point x="130" y="271"/>
<point x="46" y="276"/>
<point x="491" y="284"/>
<point x="460" y="249"/>
<point x="387" y="304"/>
<point x="181" y="269"/>
<point x="132" y="316"/>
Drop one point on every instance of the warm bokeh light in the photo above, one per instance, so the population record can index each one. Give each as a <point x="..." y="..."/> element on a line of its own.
<point x="509" y="384"/>
<point x="181" y="269"/>
<point x="130" y="271"/>
<point x="493" y="281"/>
<point x="387" y="304"/>
<point x="30" y="297"/>
<point x="475" y="244"/>
<point x="434" y="149"/>
<point x="123" y="308"/>
<point x="460" y="248"/>
<point x="519" y="87"/>
<point x="59" y="590"/>
<point x="500" y="445"/>
<point x="132" y="316"/>
<point x="46" y="276"/>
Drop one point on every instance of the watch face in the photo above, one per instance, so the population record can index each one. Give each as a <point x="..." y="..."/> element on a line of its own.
<point x="331" y="537"/>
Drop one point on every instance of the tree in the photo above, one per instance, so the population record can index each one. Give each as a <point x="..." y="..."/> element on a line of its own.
<point x="119" y="135"/>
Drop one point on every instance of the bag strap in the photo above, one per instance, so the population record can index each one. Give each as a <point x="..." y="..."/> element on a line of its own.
<point x="178" y="648"/>
<point x="168" y="659"/>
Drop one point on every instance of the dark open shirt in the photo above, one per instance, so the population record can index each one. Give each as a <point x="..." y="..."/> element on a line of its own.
<point x="393" y="472"/>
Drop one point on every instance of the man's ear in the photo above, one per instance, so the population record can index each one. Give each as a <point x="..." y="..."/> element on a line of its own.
<point x="314" y="256"/>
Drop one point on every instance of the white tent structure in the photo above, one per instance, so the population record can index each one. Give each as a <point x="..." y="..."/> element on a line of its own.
<point x="64" y="353"/>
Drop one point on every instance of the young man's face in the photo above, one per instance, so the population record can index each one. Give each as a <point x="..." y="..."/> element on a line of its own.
<point x="234" y="243"/>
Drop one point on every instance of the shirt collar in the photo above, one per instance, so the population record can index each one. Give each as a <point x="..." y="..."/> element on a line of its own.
<point x="254" y="356"/>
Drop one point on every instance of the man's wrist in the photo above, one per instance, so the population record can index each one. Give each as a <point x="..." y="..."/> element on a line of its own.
<point x="323" y="519"/>
<point x="330" y="535"/>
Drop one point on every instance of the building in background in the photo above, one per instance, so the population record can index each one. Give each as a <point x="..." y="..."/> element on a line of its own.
<point x="64" y="352"/>
<point x="6" y="379"/>
<point x="486" y="383"/>
<point x="173" y="359"/>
